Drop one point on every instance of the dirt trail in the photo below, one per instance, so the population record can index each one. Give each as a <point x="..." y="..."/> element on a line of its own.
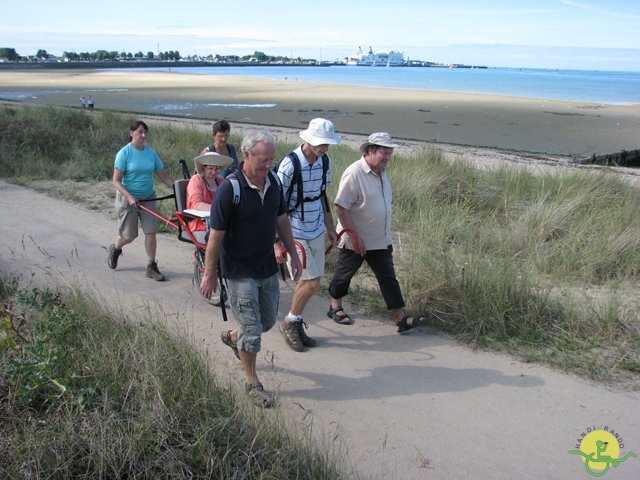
<point x="415" y="406"/>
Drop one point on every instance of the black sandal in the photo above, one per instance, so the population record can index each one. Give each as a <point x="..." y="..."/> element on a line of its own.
<point x="339" y="317"/>
<point x="404" y="326"/>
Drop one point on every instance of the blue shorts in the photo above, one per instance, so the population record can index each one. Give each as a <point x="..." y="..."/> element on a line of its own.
<point x="254" y="303"/>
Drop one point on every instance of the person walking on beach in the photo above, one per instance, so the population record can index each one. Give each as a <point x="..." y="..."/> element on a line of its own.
<point x="221" y="145"/>
<point x="90" y="102"/>
<point x="304" y="174"/>
<point x="363" y="204"/>
<point x="83" y="102"/>
<point x="241" y="237"/>
<point x="133" y="172"/>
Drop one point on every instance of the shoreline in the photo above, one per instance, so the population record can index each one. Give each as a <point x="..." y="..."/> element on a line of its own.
<point x="467" y="120"/>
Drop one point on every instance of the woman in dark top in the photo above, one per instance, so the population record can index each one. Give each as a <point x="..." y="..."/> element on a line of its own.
<point x="221" y="132"/>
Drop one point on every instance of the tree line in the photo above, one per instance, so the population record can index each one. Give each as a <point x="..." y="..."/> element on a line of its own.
<point x="103" y="55"/>
<point x="100" y="55"/>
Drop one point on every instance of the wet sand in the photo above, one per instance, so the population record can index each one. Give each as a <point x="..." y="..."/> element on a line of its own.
<point x="571" y="129"/>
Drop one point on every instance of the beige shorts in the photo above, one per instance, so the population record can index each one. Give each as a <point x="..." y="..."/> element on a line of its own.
<point x="314" y="251"/>
<point x="128" y="218"/>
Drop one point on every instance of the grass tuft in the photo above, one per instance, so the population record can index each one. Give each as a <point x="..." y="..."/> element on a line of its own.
<point x="89" y="392"/>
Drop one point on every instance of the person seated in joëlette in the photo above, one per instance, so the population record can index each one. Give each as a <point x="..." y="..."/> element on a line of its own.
<point x="204" y="184"/>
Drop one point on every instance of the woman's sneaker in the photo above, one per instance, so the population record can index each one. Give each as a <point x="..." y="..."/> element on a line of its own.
<point x="112" y="258"/>
<point x="154" y="273"/>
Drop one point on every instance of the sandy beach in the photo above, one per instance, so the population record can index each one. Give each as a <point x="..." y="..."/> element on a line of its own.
<point x="547" y="127"/>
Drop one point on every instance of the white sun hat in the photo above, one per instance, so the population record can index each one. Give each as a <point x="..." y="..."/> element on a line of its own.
<point x="211" y="158"/>
<point x="320" y="132"/>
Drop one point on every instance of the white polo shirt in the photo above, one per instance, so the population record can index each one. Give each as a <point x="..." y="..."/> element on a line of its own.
<point x="367" y="196"/>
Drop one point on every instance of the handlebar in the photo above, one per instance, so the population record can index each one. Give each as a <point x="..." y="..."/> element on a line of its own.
<point x="354" y="237"/>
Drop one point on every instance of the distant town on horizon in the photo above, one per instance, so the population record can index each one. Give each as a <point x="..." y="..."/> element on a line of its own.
<point x="371" y="58"/>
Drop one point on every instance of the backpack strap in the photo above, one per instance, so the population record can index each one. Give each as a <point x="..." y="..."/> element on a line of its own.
<point x="236" y="191"/>
<point x="296" y="179"/>
<point x="275" y="179"/>
<point x="235" y="184"/>
<point x="323" y="188"/>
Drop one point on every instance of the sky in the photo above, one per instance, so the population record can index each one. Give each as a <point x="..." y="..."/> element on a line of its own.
<point x="558" y="34"/>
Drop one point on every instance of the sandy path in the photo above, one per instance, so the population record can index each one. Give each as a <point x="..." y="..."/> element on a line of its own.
<point x="406" y="407"/>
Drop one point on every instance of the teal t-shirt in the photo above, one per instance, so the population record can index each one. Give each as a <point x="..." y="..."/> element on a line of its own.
<point x="138" y="167"/>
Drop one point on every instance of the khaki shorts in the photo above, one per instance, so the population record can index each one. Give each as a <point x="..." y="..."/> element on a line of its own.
<point x="128" y="218"/>
<point x="314" y="250"/>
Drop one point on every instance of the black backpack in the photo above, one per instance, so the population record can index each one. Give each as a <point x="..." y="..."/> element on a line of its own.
<point x="296" y="180"/>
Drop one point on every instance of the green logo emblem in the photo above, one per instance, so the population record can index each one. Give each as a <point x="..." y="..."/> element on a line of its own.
<point x="600" y="450"/>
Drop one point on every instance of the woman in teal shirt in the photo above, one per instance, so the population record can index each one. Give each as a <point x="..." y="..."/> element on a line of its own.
<point x="133" y="172"/>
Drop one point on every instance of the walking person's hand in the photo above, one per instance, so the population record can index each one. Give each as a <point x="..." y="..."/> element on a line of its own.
<point x="280" y="252"/>
<point x="332" y="235"/>
<point x="208" y="284"/>
<point x="296" y="267"/>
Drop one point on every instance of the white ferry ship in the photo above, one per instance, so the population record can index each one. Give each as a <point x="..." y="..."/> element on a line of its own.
<point x="380" y="59"/>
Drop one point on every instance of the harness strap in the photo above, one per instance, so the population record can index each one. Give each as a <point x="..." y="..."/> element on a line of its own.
<point x="166" y="197"/>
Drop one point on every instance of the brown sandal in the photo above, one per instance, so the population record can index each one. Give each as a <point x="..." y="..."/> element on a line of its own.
<point x="226" y="339"/>
<point x="258" y="396"/>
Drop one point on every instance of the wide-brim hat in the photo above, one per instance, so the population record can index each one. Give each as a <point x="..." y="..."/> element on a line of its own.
<point x="211" y="158"/>
<point x="381" y="139"/>
<point x="320" y="132"/>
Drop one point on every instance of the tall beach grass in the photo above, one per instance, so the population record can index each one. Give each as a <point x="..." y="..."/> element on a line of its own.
<point x="91" y="393"/>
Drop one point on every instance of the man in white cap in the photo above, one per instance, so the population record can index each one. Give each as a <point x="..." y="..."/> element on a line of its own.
<point x="363" y="204"/>
<point x="304" y="174"/>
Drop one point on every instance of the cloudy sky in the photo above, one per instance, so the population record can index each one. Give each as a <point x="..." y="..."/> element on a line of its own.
<point x="566" y="34"/>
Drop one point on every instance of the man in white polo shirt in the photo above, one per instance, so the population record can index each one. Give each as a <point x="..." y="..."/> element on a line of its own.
<point x="363" y="204"/>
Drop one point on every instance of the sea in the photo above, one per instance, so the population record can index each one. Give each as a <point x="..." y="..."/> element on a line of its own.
<point x="603" y="87"/>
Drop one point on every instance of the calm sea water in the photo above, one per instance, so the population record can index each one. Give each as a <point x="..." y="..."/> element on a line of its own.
<point x="574" y="85"/>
